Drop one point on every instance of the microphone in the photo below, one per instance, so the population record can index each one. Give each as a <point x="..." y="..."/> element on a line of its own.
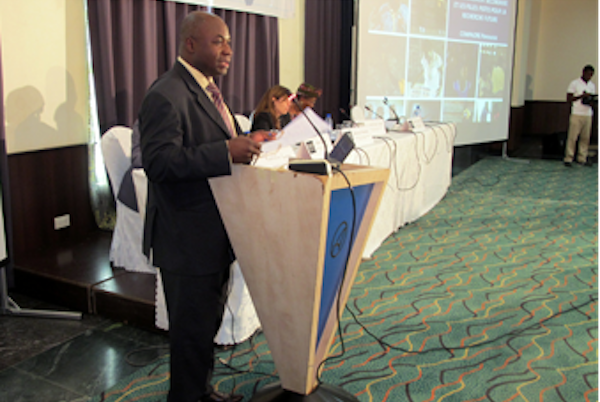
<point x="385" y="102"/>
<point x="346" y="115"/>
<point x="293" y="98"/>
<point x="374" y="112"/>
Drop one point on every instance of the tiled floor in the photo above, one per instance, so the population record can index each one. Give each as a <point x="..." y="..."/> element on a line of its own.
<point x="51" y="360"/>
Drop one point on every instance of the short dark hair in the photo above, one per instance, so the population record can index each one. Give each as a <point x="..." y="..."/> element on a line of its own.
<point x="307" y="90"/>
<point x="589" y="67"/>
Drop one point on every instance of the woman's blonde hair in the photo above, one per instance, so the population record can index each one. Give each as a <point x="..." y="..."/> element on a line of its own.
<point x="266" y="102"/>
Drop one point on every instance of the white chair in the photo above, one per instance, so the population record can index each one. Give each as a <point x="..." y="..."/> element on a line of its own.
<point x="244" y="122"/>
<point x="240" y="320"/>
<point x="126" y="245"/>
<point x="357" y="114"/>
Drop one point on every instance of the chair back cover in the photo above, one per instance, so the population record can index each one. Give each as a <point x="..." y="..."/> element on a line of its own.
<point x="116" y="151"/>
<point x="244" y="122"/>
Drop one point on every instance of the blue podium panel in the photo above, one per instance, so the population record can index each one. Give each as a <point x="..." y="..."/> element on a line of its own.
<point x="341" y="214"/>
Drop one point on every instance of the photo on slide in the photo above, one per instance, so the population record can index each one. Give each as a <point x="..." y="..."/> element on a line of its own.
<point x="428" y="17"/>
<point x="461" y="72"/>
<point x="425" y="68"/>
<point x="459" y="111"/>
<point x="427" y="110"/>
<point x="492" y="81"/>
<point x="487" y="111"/>
<point x="385" y="76"/>
<point x="389" y="16"/>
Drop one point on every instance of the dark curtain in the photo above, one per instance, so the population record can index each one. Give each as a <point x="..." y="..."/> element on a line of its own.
<point x="255" y="66"/>
<point x="4" y="185"/>
<point x="328" y="53"/>
<point x="135" y="41"/>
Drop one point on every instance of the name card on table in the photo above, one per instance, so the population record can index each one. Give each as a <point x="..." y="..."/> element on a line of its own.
<point x="376" y="127"/>
<point x="416" y="125"/>
<point x="362" y="136"/>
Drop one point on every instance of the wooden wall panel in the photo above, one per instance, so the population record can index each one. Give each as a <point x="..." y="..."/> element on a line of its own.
<point x="551" y="117"/>
<point x="515" y="127"/>
<point x="45" y="184"/>
<point x="546" y="117"/>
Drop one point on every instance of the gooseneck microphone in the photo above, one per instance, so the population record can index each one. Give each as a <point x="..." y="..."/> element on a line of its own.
<point x="385" y="102"/>
<point x="374" y="112"/>
<point x="347" y="116"/>
<point x="294" y="99"/>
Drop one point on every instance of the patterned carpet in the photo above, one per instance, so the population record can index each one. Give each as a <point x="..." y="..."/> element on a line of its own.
<point x="492" y="296"/>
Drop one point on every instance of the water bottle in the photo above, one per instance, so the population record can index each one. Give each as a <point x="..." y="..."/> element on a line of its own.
<point x="329" y="121"/>
<point x="417" y="111"/>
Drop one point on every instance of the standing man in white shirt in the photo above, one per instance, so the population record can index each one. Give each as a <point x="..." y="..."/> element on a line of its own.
<point x="579" y="95"/>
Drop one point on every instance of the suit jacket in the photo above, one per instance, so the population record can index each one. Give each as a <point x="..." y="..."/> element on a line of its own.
<point x="183" y="141"/>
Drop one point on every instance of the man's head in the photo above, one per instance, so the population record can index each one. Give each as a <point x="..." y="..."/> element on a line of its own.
<point x="307" y="95"/>
<point x="588" y="73"/>
<point x="205" y="43"/>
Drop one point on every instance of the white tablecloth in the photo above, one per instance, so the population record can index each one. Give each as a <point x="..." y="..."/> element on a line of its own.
<point x="420" y="173"/>
<point x="240" y="320"/>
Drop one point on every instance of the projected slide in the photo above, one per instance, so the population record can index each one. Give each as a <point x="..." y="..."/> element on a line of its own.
<point x="443" y="60"/>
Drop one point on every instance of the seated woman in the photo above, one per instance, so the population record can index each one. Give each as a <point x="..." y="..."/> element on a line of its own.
<point x="307" y="96"/>
<point x="272" y="110"/>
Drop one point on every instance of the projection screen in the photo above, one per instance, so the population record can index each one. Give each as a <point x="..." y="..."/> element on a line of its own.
<point x="445" y="60"/>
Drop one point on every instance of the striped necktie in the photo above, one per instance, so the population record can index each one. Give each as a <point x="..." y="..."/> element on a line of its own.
<point x="220" y="105"/>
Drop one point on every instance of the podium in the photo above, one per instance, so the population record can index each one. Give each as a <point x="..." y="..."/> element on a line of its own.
<point x="291" y="233"/>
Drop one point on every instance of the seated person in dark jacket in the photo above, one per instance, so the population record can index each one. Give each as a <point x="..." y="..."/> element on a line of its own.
<point x="272" y="110"/>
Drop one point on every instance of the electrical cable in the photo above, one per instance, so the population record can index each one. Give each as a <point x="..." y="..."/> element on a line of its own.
<point x="394" y="166"/>
<point x="442" y="126"/>
<point x="420" y="169"/>
<point x="450" y="349"/>
<point x="428" y="160"/>
<point x="360" y="152"/>
<point x="129" y="356"/>
<point x="350" y="244"/>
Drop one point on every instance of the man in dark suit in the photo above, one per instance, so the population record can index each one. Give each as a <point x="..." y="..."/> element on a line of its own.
<point x="189" y="135"/>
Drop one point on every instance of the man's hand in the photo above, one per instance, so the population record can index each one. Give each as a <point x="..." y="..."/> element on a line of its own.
<point x="262" y="135"/>
<point x="243" y="149"/>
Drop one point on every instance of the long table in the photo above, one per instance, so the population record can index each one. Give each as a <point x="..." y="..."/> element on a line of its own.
<point x="420" y="173"/>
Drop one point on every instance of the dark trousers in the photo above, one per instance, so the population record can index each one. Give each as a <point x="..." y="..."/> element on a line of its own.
<point x="195" y="306"/>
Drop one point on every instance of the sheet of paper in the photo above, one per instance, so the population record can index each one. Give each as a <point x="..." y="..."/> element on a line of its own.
<point x="275" y="155"/>
<point x="300" y="129"/>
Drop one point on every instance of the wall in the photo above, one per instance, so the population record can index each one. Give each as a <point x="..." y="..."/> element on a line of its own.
<point x="563" y="39"/>
<point x="291" y="48"/>
<point x="45" y="73"/>
<point x="520" y="57"/>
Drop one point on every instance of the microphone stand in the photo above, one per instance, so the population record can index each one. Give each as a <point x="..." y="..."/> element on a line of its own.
<point x="508" y="158"/>
<point x="325" y="156"/>
<point x="9" y="307"/>
<point x="385" y="102"/>
<point x="345" y="114"/>
<point x="374" y="112"/>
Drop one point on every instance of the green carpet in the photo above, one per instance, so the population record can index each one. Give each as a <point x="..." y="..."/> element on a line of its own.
<point x="491" y="296"/>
